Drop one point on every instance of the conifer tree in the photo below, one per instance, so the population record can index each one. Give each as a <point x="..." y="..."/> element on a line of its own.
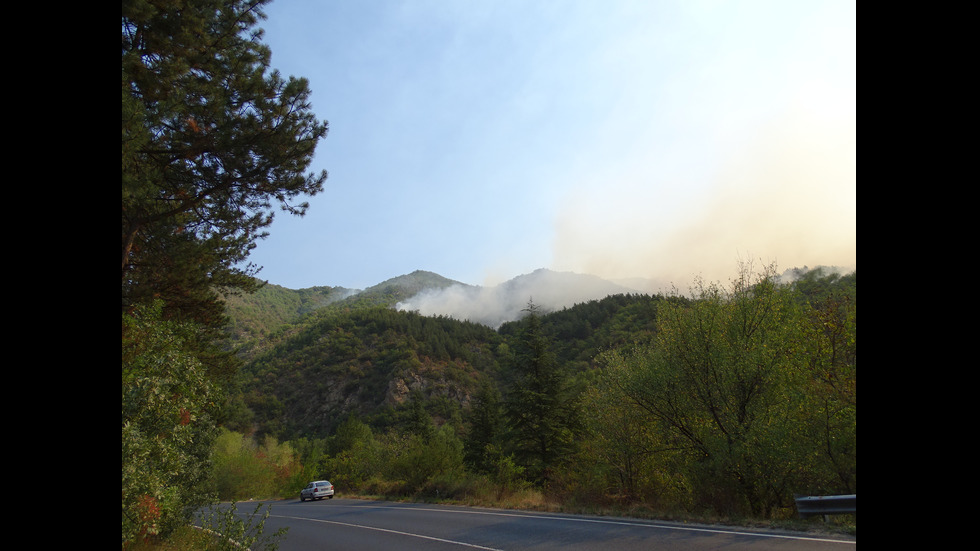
<point x="541" y="407"/>
<point x="212" y="142"/>
<point x="486" y="428"/>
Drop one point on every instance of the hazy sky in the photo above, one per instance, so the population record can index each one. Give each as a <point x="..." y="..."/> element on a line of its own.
<point x="483" y="139"/>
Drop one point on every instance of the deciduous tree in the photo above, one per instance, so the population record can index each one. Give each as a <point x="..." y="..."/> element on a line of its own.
<point x="714" y="383"/>
<point x="755" y="386"/>
<point x="168" y="409"/>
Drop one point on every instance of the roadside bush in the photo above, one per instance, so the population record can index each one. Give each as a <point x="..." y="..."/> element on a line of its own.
<point x="227" y="530"/>
<point x="167" y="425"/>
<point x="244" y="470"/>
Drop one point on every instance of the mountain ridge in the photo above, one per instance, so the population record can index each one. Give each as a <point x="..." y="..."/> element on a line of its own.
<point x="372" y="353"/>
<point x="493" y="306"/>
<point x="431" y="294"/>
<point x="274" y="307"/>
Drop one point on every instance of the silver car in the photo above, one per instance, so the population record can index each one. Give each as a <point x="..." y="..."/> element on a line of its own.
<point x="318" y="489"/>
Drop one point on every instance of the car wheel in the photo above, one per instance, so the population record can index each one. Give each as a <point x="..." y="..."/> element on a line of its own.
<point x="329" y="497"/>
<point x="302" y="499"/>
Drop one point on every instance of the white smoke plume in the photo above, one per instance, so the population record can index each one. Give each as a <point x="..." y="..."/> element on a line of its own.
<point x="498" y="304"/>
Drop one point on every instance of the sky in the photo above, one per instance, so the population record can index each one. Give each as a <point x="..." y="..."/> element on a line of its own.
<point x="485" y="139"/>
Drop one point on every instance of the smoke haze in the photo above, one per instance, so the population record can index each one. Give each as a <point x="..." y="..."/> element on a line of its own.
<point x="497" y="304"/>
<point x="655" y="140"/>
<point x="786" y="197"/>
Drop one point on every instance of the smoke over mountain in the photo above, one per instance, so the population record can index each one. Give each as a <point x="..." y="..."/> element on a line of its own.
<point x="495" y="305"/>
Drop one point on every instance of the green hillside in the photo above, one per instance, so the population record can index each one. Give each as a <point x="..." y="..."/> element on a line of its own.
<point x="260" y="319"/>
<point x="365" y="361"/>
<point x="604" y="384"/>
<point x="256" y="315"/>
<point x="369" y="360"/>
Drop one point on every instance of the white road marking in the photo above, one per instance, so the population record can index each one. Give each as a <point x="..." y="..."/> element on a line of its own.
<point x="615" y="522"/>
<point x="463" y="543"/>
<point x="566" y="519"/>
<point x="642" y="524"/>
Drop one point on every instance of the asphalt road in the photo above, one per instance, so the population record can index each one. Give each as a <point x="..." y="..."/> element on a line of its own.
<point x="354" y="525"/>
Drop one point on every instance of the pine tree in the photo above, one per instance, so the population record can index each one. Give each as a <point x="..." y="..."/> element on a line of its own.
<point x="486" y="428"/>
<point x="211" y="142"/>
<point x="541" y="407"/>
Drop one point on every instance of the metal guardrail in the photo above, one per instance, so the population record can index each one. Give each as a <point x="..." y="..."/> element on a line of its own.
<point x="826" y="505"/>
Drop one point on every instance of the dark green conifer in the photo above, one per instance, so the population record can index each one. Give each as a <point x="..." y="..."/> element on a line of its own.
<point x="212" y="142"/>
<point x="541" y="407"/>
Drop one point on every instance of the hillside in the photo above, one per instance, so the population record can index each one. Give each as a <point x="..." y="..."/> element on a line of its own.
<point x="430" y="294"/>
<point x="273" y="308"/>
<point x="323" y="354"/>
<point x="315" y="356"/>
<point x="366" y="361"/>
<point x="393" y="402"/>
<point x="373" y="361"/>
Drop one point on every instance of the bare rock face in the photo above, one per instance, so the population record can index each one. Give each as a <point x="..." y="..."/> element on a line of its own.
<point x="431" y="384"/>
<point x="398" y="392"/>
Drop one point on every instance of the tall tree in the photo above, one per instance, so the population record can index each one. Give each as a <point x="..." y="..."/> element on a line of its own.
<point x="486" y="428"/>
<point x="619" y="440"/>
<point x="728" y="383"/>
<point x="211" y="143"/>
<point x="541" y="406"/>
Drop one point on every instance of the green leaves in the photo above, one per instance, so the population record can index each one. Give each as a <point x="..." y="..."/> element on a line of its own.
<point x="754" y="384"/>
<point x="726" y="401"/>
<point x="230" y="530"/>
<point x="211" y="143"/>
<point x="168" y="404"/>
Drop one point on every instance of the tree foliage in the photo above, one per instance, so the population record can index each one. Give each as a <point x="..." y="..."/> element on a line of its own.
<point x="541" y="406"/>
<point x="244" y="469"/>
<point x="732" y="384"/>
<point x="169" y="406"/>
<point x="486" y="428"/>
<point x="211" y="142"/>
<point x="337" y="363"/>
<point x="727" y="401"/>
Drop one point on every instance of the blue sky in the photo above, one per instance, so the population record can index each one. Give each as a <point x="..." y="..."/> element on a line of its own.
<point x="484" y="139"/>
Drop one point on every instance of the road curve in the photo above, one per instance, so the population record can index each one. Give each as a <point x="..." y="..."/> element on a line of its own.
<point x="355" y="525"/>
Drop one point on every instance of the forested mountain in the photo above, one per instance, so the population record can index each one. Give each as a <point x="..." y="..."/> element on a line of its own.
<point x="254" y="316"/>
<point x="273" y="305"/>
<point x="256" y="320"/>
<point x="318" y="355"/>
<point x="730" y="399"/>
<point x="365" y="361"/>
